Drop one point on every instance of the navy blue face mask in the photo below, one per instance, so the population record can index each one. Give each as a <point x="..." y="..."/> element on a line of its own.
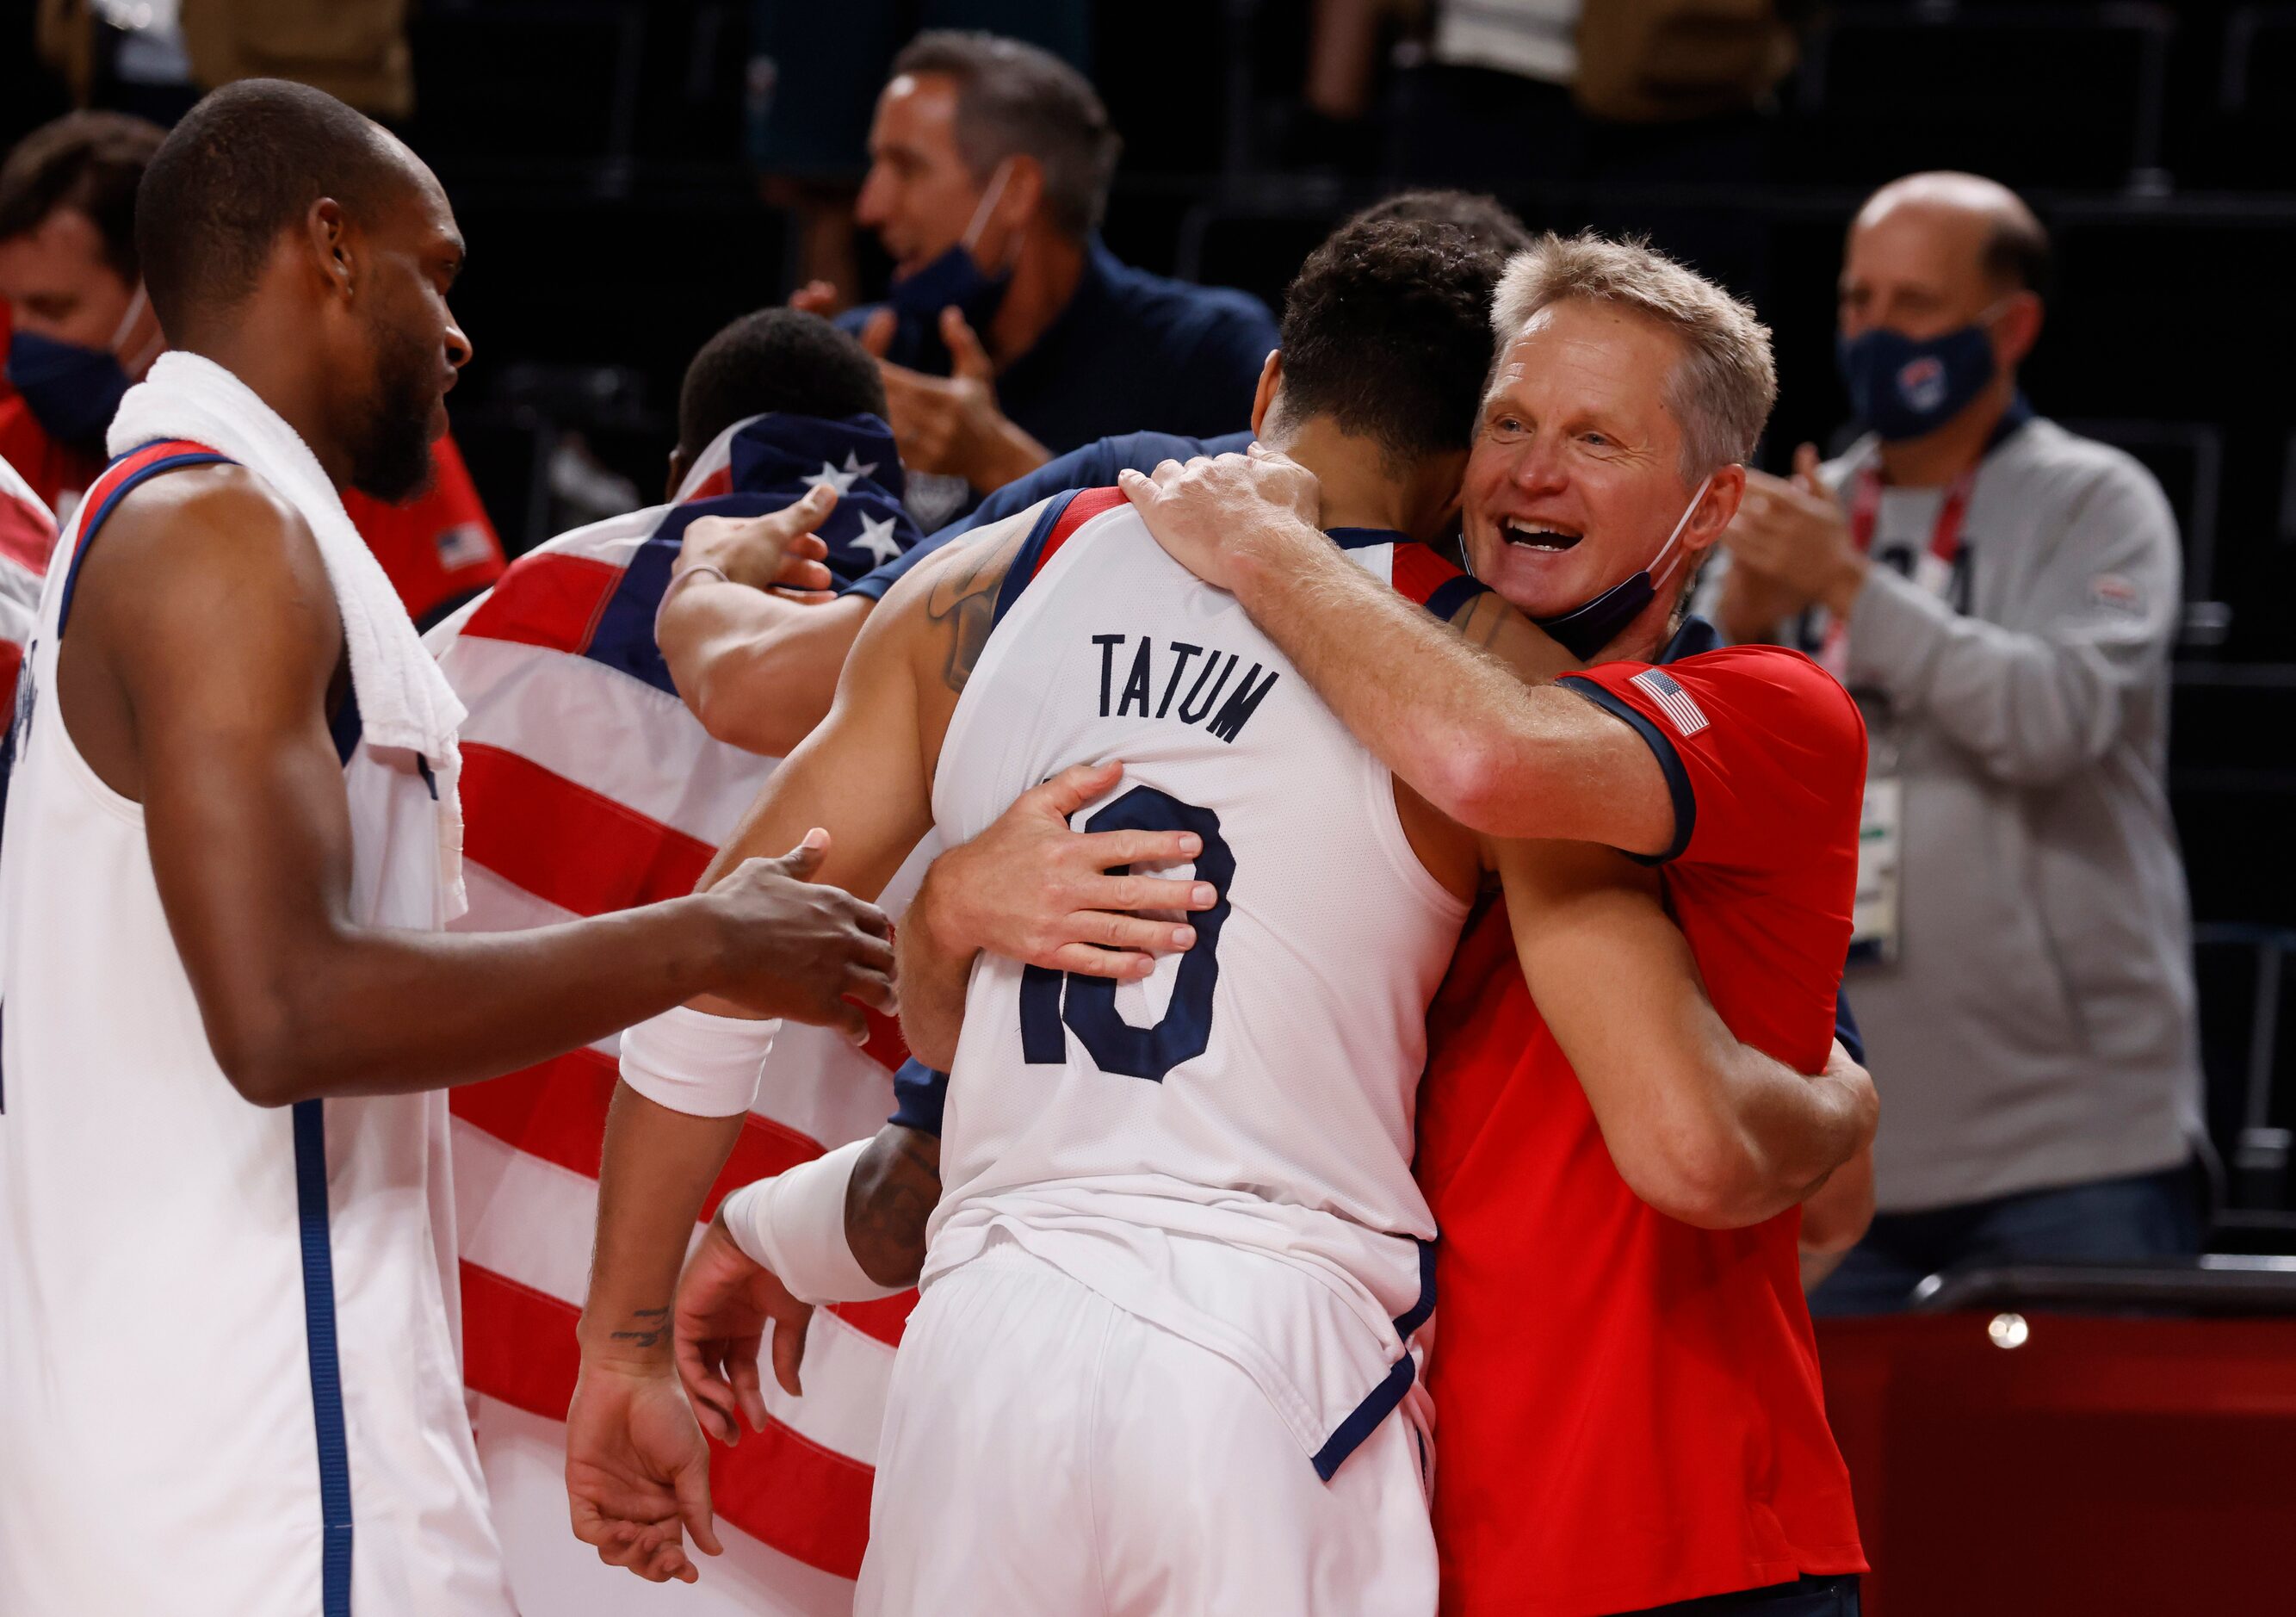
<point x="1903" y="387"/>
<point x="73" y="391"/>
<point x="953" y="279"/>
<point x="1587" y="628"/>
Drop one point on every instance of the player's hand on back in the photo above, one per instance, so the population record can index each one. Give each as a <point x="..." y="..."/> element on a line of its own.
<point x="1032" y="889"/>
<point x="1217" y="514"/>
<point x="800" y="950"/>
<point x="724" y="1304"/>
<point x="638" y="1473"/>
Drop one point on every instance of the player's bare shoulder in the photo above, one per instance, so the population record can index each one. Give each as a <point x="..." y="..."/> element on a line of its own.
<point x="211" y="547"/>
<point x="200" y="603"/>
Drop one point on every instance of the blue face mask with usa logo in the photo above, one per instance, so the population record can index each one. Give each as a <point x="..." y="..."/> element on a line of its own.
<point x="1903" y="387"/>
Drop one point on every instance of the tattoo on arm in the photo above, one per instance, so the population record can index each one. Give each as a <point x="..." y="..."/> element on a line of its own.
<point x="895" y="1187"/>
<point x="651" y="1325"/>
<point x="962" y="604"/>
<point x="1477" y="621"/>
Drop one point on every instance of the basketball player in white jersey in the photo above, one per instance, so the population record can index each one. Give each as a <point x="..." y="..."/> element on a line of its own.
<point x="228" y="1377"/>
<point x="1165" y="1361"/>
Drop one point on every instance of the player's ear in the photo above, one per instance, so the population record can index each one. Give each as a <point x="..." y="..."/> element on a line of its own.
<point x="676" y="471"/>
<point x="1263" y="397"/>
<point x="327" y="236"/>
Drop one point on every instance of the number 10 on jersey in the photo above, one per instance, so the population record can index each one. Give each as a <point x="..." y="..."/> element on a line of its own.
<point x="1055" y="1003"/>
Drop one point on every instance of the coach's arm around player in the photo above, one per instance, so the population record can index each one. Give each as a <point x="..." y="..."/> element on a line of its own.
<point x="1701" y="1126"/>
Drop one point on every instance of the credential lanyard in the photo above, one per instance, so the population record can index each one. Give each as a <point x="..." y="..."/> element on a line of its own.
<point x="1932" y="569"/>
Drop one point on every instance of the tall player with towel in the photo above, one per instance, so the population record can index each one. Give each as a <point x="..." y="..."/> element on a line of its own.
<point x="228" y="1379"/>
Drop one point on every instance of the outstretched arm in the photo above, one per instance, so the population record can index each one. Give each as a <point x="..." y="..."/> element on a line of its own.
<point x="1450" y="713"/>
<point x="249" y="826"/>
<point x="1703" y="1128"/>
<point x="637" y="1477"/>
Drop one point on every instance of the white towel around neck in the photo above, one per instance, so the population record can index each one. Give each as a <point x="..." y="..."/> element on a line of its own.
<point x="403" y="699"/>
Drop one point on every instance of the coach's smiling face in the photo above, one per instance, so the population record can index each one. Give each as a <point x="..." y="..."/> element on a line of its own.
<point x="1576" y="478"/>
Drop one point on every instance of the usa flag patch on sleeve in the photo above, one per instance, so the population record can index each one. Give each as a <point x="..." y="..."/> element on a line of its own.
<point x="1686" y="716"/>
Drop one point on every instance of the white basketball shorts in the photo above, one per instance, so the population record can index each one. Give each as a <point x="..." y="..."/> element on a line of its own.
<point x="1045" y="1452"/>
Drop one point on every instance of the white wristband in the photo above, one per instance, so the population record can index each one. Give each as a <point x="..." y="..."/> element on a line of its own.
<point x="794" y="1224"/>
<point x="691" y="1062"/>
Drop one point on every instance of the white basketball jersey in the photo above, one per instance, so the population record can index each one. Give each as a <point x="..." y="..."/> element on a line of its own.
<point x="1224" y="1149"/>
<point x="228" y="1373"/>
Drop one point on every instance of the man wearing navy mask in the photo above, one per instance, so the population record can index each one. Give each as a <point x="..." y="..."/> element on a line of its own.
<point x="78" y="339"/>
<point x="81" y="332"/>
<point x="2002" y="596"/>
<point x="1011" y="333"/>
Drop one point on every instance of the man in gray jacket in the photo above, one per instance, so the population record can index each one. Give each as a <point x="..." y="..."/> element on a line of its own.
<point x="2002" y="596"/>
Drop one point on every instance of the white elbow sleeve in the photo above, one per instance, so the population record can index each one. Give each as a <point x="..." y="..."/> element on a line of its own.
<point x="794" y="1224"/>
<point x="691" y="1062"/>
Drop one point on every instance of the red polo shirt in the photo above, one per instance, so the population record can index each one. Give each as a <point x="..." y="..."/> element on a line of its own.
<point x="436" y="548"/>
<point x="1628" y="1410"/>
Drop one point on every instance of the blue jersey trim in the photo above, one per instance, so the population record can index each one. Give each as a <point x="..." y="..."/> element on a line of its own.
<point x="1422" y="1310"/>
<point x="344" y="729"/>
<point x="1677" y="778"/>
<point x="1364" y="538"/>
<point x="326" y="1370"/>
<point x="97" y="517"/>
<point x="1366" y="1417"/>
<point x="1032" y="555"/>
<point x="1448" y="598"/>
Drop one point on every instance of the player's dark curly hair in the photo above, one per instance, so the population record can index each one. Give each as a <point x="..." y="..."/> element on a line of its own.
<point x="1477" y="212"/>
<point x="1387" y="331"/>
<point x="775" y="359"/>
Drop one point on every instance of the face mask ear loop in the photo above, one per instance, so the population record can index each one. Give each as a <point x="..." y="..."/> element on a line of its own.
<point x="127" y="324"/>
<point x="987" y="205"/>
<point x="1689" y="510"/>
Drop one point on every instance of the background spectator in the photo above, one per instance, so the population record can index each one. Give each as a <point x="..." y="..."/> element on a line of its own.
<point x="82" y="332"/>
<point x="814" y="71"/>
<point x="2002" y="595"/>
<point x="1013" y="334"/>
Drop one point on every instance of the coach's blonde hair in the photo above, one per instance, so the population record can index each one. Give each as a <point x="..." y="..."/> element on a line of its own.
<point x="1723" y="390"/>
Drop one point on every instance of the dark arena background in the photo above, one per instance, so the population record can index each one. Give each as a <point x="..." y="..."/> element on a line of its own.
<point x="2028" y="1436"/>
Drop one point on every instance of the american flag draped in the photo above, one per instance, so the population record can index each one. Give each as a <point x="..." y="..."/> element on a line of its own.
<point x="587" y="787"/>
